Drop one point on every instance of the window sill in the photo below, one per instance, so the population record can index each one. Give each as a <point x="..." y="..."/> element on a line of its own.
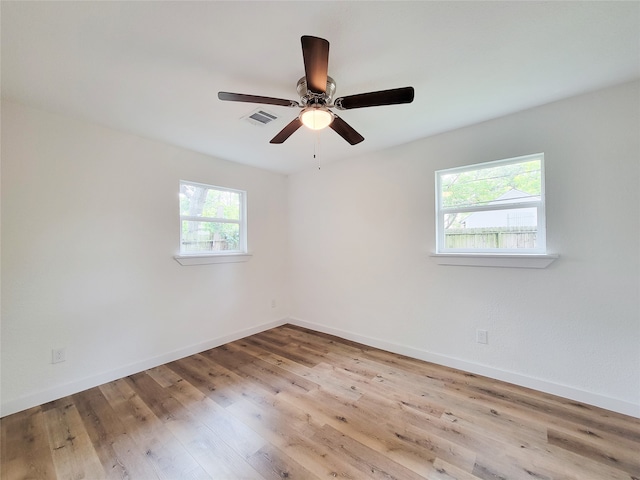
<point x="495" y="260"/>
<point x="187" y="260"/>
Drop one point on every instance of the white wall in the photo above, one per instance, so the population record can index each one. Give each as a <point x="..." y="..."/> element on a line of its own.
<point x="361" y="231"/>
<point x="89" y="230"/>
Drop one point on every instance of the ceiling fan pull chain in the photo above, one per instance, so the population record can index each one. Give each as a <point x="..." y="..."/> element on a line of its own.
<point x="317" y="142"/>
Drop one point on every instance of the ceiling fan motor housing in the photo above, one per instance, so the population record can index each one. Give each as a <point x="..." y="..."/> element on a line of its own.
<point x="309" y="98"/>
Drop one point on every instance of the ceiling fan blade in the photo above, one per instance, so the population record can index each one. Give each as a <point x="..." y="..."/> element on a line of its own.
<point x="315" y="53"/>
<point x="287" y="131"/>
<point x="241" y="97"/>
<point x="345" y="130"/>
<point x="394" y="96"/>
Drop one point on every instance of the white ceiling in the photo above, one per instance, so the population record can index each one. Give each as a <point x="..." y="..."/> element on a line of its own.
<point x="154" y="68"/>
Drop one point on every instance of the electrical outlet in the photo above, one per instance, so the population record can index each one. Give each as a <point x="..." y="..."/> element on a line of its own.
<point x="273" y="304"/>
<point x="482" y="336"/>
<point x="58" y="355"/>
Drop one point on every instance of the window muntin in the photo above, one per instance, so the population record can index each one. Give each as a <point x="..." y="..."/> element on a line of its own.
<point x="494" y="207"/>
<point x="212" y="219"/>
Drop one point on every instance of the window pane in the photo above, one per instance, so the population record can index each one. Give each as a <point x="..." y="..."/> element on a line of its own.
<point x="200" y="201"/>
<point x="209" y="236"/>
<point x="493" y="229"/>
<point x="493" y="185"/>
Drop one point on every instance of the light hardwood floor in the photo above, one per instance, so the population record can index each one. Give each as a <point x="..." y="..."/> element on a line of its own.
<point x="292" y="403"/>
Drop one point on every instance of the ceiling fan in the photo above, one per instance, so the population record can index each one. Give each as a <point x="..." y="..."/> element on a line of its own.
<point x="316" y="91"/>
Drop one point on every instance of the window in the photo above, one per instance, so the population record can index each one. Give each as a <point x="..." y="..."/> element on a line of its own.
<point x="212" y="220"/>
<point x="495" y="207"/>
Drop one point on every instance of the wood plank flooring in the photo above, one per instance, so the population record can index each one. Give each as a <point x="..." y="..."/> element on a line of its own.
<point x="296" y="404"/>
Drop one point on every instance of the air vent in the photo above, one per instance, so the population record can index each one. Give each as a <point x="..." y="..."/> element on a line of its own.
<point x="260" y="117"/>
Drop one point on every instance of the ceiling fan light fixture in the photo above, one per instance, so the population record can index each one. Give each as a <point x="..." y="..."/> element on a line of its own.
<point x="316" y="118"/>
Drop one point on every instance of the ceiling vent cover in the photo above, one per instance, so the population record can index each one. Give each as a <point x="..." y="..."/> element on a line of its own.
<point x="260" y="117"/>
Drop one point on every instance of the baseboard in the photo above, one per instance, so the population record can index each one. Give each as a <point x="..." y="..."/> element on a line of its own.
<point x="564" y="391"/>
<point x="60" y="391"/>
<point x="44" y="396"/>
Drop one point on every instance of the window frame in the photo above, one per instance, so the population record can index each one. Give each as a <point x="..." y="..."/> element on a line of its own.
<point x="541" y="233"/>
<point x="241" y="222"/>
